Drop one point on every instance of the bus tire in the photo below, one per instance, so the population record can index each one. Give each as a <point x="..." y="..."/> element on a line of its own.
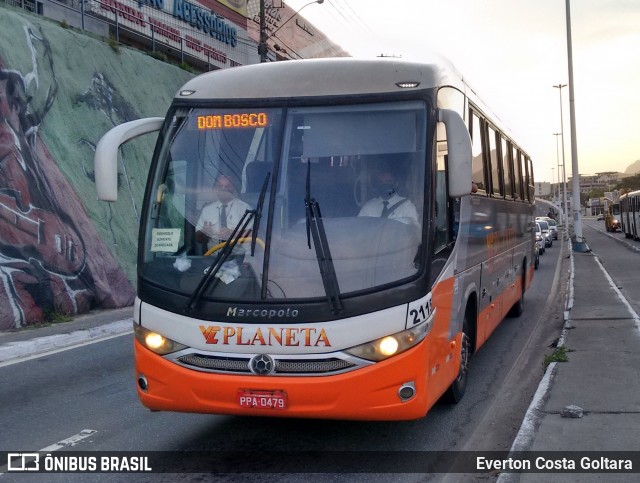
<point x="518" y="308"/>
<point x="456" y="390"/>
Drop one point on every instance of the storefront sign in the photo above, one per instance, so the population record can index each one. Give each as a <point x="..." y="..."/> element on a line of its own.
<point x="206" y="21"/>
<point x="180" y="24"/>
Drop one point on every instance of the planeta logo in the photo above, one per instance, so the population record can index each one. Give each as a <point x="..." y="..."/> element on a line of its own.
<point x="270" y="336"/>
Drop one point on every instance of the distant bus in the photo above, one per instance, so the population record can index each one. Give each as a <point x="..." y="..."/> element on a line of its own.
<point x="325" y="301"/>
<point x="612" y="220"/>
<point x="630" y="214"/>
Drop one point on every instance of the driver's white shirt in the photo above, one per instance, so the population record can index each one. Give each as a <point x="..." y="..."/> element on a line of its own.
<point x="211" y="213"/>
<point x="374" y="207"/>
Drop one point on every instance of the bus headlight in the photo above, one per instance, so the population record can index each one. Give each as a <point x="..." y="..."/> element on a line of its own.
<point x="156" y="342"/>
<point x="391" y="345"/>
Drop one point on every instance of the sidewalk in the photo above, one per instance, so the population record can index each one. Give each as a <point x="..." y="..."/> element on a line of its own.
<point x="93" y="326"/>
<point x="601" y="378"/>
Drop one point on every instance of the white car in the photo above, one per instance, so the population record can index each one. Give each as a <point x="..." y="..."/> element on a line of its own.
<point x="540" y="244"/>
<point x="553" y="225"/>
<point x="553" y="228"/>
<point x="546" y="233"/>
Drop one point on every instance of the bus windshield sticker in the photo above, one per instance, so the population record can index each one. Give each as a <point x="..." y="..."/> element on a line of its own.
<point x="165" y="239"/>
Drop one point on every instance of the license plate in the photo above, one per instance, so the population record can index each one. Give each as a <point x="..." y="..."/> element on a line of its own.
<point x="248" y="398"/>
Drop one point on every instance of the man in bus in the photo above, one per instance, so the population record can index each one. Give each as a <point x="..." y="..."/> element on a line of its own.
<point x="218" y="219"/>
<point x="388" y="203"/>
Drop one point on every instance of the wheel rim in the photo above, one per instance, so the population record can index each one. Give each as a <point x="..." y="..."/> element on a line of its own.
<point x="464" y="357"/>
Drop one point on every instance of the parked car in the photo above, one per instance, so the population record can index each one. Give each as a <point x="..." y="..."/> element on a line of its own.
<point x="546" y="233"/>
<point x="600" y="217"/>
<point x="540" y="244"/>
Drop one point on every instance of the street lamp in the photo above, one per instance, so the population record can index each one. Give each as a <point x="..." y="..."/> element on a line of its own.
<point x="579" y="244"/>
<point x="263" y="49"/>
<point x="564" y="169"/>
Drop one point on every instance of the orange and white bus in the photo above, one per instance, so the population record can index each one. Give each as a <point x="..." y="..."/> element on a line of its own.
<point x="325" y="301"/>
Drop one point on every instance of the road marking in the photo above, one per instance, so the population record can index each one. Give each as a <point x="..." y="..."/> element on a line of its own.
<point x="622" y="298"/>
<point x="16" y="352"/>
<point x="72" y="441"/>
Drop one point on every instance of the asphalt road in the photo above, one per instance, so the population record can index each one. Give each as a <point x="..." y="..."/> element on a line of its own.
<point x="619" y="255"/>
<point x="55" y="397"/>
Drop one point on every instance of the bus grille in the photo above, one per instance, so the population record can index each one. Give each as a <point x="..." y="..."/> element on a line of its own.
<point x="299" y="367"/>
<point x="216" y="363"/>
<point x="311" y="366"/>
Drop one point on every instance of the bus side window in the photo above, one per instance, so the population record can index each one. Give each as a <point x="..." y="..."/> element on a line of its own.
<point x="496" y="168"/>
<point x="507" y="167"/>
<point x="518" y="173"/>
<point x="477" y="163"/>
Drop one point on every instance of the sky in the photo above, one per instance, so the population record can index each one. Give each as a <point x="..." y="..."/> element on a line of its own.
<point x="513" y="52"/>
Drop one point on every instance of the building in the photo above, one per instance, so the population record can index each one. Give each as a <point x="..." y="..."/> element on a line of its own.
<point x="205" y="34"/>
<point x="604" y="181"/>
<point x="543" y="190"/>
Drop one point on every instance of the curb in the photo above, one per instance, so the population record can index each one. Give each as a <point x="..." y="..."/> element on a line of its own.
<point x="19" y="351"/>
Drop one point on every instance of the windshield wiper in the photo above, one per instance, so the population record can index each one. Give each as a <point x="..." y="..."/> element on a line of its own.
<point x="258" y="214"/>
<point x="215" y="267"/>
<point x="315" y="228"/>
<point x="228" y="247"/>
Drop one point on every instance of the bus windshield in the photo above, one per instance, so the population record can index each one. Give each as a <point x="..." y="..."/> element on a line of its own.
<point x="363" y="165"/>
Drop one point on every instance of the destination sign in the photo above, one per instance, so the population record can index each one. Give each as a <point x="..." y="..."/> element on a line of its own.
<point x="229" y="121"/>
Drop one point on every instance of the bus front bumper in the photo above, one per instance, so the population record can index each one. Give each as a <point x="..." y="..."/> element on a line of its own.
<point x="369" y="393"/>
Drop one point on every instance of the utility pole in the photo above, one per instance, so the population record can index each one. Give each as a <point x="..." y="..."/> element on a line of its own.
<point x="262" y="45"/>
<point x="564" y="163"/>
<point x="578" y="244"/>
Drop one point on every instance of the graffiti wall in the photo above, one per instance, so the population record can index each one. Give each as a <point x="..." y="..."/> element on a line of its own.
<point x="61" y="250"/>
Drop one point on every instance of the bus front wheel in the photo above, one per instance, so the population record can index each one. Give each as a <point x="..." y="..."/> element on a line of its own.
<point x="456" y="391"/>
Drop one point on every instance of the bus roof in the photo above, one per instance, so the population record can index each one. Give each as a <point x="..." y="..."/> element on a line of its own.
<point x="341" y="76"/>
<point x="629" y="194"/>
<point x="319" y="77"/>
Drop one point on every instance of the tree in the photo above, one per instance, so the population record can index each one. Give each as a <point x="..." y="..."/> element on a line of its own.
<point x="630" y="183"/>
<point x="584" y="197"/>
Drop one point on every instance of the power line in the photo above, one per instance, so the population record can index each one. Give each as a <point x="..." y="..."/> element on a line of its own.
<point x="352" y="14"/>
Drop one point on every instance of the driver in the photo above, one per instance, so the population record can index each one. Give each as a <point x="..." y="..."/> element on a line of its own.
<point x="388" y="203"/>
<point x="218" y="219"/>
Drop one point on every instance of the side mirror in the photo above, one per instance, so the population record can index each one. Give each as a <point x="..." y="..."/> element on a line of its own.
<point x="459" y="152"/>
<point x="105" y="159"/>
